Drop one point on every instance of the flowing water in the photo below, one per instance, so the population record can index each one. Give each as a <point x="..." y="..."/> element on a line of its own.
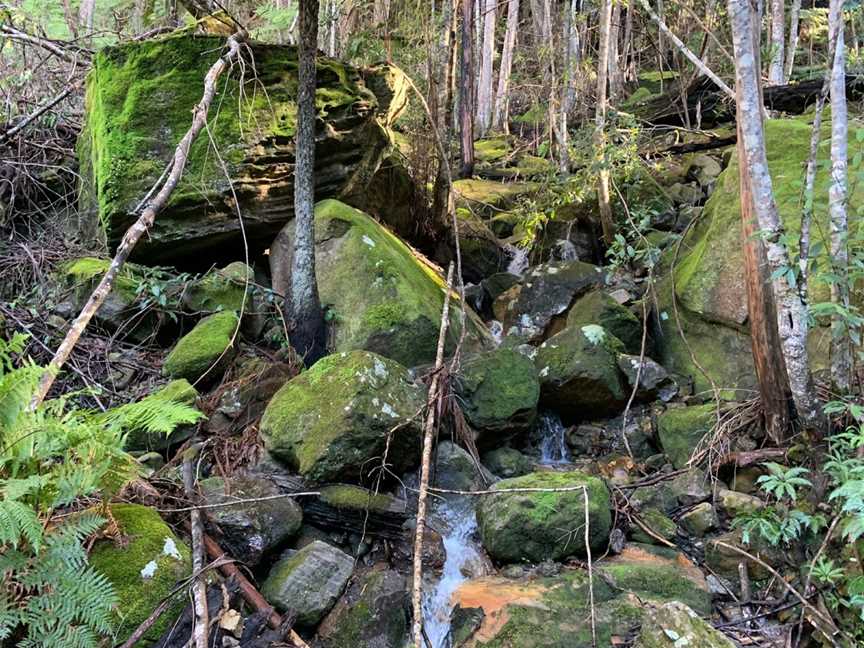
<point x="553" y="445"/>
<point x="566" y="251"/>
<point x="518" y="259"/>
<point x="455" y="520"/>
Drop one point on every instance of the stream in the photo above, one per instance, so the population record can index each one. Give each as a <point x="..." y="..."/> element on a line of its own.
<point x="553" y="444"/>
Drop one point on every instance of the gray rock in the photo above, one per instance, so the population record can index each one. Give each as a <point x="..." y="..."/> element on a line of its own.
<point x="308" y="582"/>
<point x="686" y="489"/>
<point x="675" y="624"/>
<point x="455" y="469"/>
<point x="699" y="520"/>
<point x="653" y="378"/>
<point x="507" y="462"/>
<point x="733" y="503"/>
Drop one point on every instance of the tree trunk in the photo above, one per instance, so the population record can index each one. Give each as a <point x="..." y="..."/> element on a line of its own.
<point x="841" y="349"/>
<point x="600" y="144"/>
<point x="571" y="65"/>
<point x="466" y="90"/>
<point x="778" y="30"/>
<point x="484" y="83"/>
<point x="794" y="22"/>
<point x="308" y="334"/>
<point x="86" y="12"/>
<point x="615" y="85"/>
<point x="791" y="312"/>
<point x="442" y="190"/>
<point x="501" y="112"/>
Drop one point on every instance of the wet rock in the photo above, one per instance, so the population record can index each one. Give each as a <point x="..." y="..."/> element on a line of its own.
<point x="676" y="624"/>
<point x="497" y="284"/>
<point x="455" y="469"/>
<point x="498" y="391"/>
<point x="599" y="308"/>
<point x="534" y="526"/>
<point x="507" y="462"/>
<point x="144" y="565"/>
<point x="659" y="524"/>
<point x="546" y="291"/>
<point x="251" y="529"/>
<point x="698" y="520"/>
<point x="732" y="503"/>
<point x="381" y="296"/>
<point x="308" y="582"/>
<point x="579" y="375"/>
<point x="373" y="613"/>
<point x="206" y="350"/>
<point x="330" y="422"/>
<point x="681" y="430"/>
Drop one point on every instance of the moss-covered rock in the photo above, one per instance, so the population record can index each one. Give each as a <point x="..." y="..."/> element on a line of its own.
<point x="227" y="289"/>
<point x="676" y="624"/>
<point x="139" y="99"/>
<point x="331" y="421"/>
<point x="498" y="391"/>
<point x="144" y="565"/>
<point x="486" y="197"/>
<point x="456" y="469"/>
<point x="373" y="613"/>
<point x="535" y="526"/>
<point x="599" y="308"/>
<point x="382" y="296"/>
<point x="348" y="497"/>
<point x="507" y="462"/>
<point x="681" y="429"/>
<point x="659" y="524"/>
<point x="579" y="374"/>
<point x="204" y="351"/>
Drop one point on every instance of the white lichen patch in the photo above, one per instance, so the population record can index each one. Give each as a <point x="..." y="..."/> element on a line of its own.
<point x="149" y="570"/>
<point x="368" y="241"/>
<point x="389" y="411"/>
<point x="170" y="549"/>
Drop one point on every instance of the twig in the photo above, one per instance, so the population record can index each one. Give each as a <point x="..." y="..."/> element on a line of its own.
<point x="21" y="125"/>
<point x="201" y="624"/>
<point x="428" y="434"/>
<point x="250" y="500"/>
<point x="142" y="225"/>
<point x="44" y="43"/>
<point x="590" y="568"/>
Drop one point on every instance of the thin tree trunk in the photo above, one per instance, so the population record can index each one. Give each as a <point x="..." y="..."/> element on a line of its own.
<point x="466" y="90"/>
<point x="615" y="85"/>
<point x="70" y="19"/>
<point x="695" y="60"/>
<point x="794" y="24"/>
<point x="308" y="334"/>
<point x="442" y="193"/>
<point x="201" y="623"/>
<point x="484" y="83"/>
<point x="628" y="59"/>
<point x="600" y="143"/>
<point x="500" y="116"/>
<point x="778" y="50"/>
<point x="86" y="11"/>
<point x="571" y="66"/>
<point x="141" y="226"/>
<point x="841" y="349"/>
<point x="791" y="311"/>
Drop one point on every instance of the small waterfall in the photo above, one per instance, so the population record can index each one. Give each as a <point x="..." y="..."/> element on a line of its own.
<point x="553" y="445"/>
<point x="518" y="259"/>
<point x="496" y="329"/>
<point x="455" y="519"/>
<point x="565" y="250"/>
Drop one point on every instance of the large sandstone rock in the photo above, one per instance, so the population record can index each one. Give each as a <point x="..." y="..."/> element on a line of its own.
<point x="382" y="296"/>
<point x="331" y="421"/>
<point x="139" y="100"/>
<point x="308" y="582"/>
<point x="709" y="280"/>
<point x="676" y="624"/>
<point x="536" y="526"/>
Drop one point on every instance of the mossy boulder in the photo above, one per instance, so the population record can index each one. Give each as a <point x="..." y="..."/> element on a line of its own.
<point x="206" y="350"/>
<point x="251" y="529"/>
<point x="676" y="624"/>
<point x="579" y="374"/>
<point x="498" y="391"/>
<point x="349" y="497"/>
<point x="507" y="462"/>
<point x="599" y="308"/>
<point x="227" y="288"/>
<point x="455" y="469"/>
<point x="308" y="582"/>
<point x="144" y="564"/>
<point x="709" y="280"/>
<point x="658" y="522"/>
<point x="534" y="526"/>
<point x="681" y="429"/>
<point x="373" y="613"/>
<point x="382" y="296"/>
<point x="139" y="101"/>
<point x="330" y="422"/>
<point x="488" y="197"/>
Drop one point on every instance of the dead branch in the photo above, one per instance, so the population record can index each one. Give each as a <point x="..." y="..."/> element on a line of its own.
<point x="56" y="48"/>
<point x="201" y="624"/>
<point x="590" y="568"/>
<point x="21" y="125"/>
<point x="144" y="222"/>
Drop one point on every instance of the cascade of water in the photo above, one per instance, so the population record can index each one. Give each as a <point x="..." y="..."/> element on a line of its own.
<point x="566" y="251"/>
<point x="518" y="259"/>
<point x="553" y="445"/>
<point x="455" y="519"/>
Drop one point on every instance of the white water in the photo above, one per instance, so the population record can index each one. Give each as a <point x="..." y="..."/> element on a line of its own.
<point x="455" y="520"/>
<point x="566" y="251"/>
<point x="518" y="259"/>
<point x="553" y="445"/>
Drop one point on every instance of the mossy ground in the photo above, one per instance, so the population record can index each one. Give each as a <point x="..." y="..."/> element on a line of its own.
<point x="144" y="535"/>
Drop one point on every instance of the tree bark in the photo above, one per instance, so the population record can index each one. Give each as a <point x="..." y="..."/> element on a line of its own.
<point x="604" y="204"/>
<point x="571" y="65"/>
<point x="791" y="312"/>
<point x="794" y="23"/>
<point x="841" y="349"/>
<point x="501" y="113"/>
<point x="466" y="90"/>
<point x="778" y="50"/>
<point x="443" y="119"/>
<point x="484" y="83"/>
<point x="615" y="84"/>
<point x="308" y="334"/>
<point x="141" y="226"/>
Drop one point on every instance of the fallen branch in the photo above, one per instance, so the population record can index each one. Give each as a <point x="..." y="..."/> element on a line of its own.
<point x="49" y="45"/>
<point x="145" y="221"/>
<point x="250" y="500"/>
<point x="201" y="620"/>
<point x="425" y="468"/>
<point x="29" y="119"/>
<point x="748" y="458"/>
<point x="590" y="568"/>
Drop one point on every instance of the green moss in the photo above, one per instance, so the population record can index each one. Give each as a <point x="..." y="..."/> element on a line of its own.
<point x="507" y="462"/>
<point x="221" y="289"/>
<point x="475" y="193"/>
<point x="143" y="539"/>
<point x="355" y="498"/>
<point x="205" y="346"/>
<point x="600" y="309"/>
<point x="681" y="429"/>
<point x="493" y="149"/>
<point x="658" y="522"/>
<point x="138" y="437"/>
<point x="85" y="272"/>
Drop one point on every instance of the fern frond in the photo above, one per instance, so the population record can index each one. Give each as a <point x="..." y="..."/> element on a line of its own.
<point x="154" y="414"/>
<point x="19" y="522"/>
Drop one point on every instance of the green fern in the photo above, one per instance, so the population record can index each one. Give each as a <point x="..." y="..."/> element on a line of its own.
<point x="158" y="413"/>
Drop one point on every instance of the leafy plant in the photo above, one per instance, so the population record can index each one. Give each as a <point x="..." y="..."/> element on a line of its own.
<point x="783" y="482"/>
